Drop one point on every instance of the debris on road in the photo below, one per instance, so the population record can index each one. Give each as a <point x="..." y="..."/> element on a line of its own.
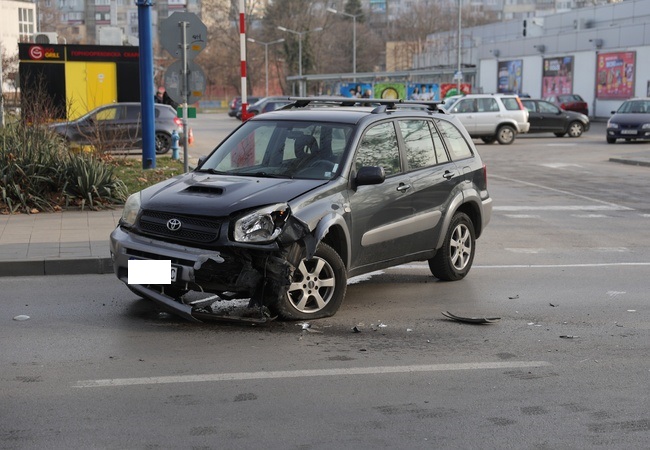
<point x="21" y="318"/>
<point x="514" y="297"/>
<point x="569" y="336"/>
<point x="476" y="320"/>
<point x="553" y="305"/>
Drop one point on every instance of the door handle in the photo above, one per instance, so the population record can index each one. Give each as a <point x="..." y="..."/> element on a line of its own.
<point x="448" y="175"/>
<point x="403" y="187"/>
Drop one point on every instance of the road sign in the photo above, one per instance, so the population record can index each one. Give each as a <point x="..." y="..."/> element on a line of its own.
<point x="171" y="34"/>
<point x="174" y="82"/>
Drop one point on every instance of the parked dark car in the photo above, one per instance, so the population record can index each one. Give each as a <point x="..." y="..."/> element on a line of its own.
<point x="570" y="102"/>
<point x="118" y="126"/>
<point x="631" y="121"/>
<point x="234" y="107"/>
<point x="545" y="117"/>
<point x="266" y="104"/>
<point x="297" y="200"/>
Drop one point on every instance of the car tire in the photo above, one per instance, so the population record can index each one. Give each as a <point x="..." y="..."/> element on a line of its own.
<point x="611" y="140"/>
<point x="317" y="287"/>
<point x="506" y="135"/>
<point x="489" y="139"/>
<point x="163" y="142"/>
<point x="575" y="129"/>
<point x="453" y="261"/>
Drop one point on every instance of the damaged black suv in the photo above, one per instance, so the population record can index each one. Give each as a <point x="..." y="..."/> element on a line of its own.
<point x="295" y="201"/>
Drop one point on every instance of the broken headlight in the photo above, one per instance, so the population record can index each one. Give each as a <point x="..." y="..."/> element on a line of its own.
<point x="131" y="209"/>
<point x="263" y="225"/>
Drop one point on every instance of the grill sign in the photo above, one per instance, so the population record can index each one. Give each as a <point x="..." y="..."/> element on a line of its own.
<point x="173" y="224"/>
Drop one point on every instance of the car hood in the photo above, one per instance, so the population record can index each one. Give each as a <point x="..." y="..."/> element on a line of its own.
<point x="631" y="119"/>
<point x="221" y="195"/>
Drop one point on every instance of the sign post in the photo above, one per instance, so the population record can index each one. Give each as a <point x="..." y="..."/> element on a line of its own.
<point x="184" y="35"/>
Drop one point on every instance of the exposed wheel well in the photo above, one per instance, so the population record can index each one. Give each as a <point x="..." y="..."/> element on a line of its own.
<point x="335" y="238"/>
<point x="472" y="210"/>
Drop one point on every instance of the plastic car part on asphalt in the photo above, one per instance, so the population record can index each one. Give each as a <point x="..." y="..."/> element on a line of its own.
<point x="475" y="320"/>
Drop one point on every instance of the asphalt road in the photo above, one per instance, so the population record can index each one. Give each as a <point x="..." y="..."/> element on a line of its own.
<point x="564" y="265"/>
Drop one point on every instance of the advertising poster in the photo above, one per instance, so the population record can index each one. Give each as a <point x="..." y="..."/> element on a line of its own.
<point x="423" y="91"/>
<point x="615" y="75"/>
<point x="390" y="90"/>
<point x="449" y="89"/>
<point x="356" y="90"/>
<point x="510" y="76"/>
<point x="557" y="76"/>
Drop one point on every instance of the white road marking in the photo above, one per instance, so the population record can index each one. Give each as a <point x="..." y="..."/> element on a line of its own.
<point x="561" y="165"/>
<point x="215" y="377"/>
<point x="522" y="216"/>
<point x="530" y="266"/>
<point x="571" y="194"/>
<point x="562" y="208"/>
<point x="591" y="216"/>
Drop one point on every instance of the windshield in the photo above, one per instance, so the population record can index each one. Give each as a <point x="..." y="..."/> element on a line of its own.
<point x="282" y="149"/>
<point x="635" y="107"/>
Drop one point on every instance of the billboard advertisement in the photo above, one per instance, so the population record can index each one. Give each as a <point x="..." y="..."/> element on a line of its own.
<point x="615" y="75"/>
<point x="509" y="76"/>
<point x="557" y="76"/>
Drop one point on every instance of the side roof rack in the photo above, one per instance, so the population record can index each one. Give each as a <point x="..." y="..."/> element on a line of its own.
<point x="381" y="105"/>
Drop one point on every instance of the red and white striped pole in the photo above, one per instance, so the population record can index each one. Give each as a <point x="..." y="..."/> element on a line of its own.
<point x="242" y="49"/>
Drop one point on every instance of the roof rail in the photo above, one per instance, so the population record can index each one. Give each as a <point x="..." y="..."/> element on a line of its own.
<point x="382" y="105"/>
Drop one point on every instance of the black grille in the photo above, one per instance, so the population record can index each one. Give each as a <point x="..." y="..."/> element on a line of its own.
<point x="193" y="228"/>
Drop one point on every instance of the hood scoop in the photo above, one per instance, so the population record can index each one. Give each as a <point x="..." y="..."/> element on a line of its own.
<point x="207" y="190"/>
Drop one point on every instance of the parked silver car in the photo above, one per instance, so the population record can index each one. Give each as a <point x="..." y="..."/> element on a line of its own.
<point x="492" y="117"/>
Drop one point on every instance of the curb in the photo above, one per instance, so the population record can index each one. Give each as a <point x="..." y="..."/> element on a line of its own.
<point x="77" y="266"/>
<point x="632" y="162"/>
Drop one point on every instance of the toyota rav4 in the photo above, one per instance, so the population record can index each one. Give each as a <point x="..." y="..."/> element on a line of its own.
<point x="296" y="201"/>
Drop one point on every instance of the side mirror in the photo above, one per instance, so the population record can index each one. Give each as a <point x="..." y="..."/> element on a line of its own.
<point x="368" y="175"/>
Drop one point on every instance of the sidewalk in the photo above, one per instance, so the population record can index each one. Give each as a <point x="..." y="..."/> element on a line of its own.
<point x="76" y="242"/>
<point x="69" y="242"/>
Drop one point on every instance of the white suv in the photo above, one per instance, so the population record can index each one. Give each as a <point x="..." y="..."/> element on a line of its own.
<point x="492" y="117"/>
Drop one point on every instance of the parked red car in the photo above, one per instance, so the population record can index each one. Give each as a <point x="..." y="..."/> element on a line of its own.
<point x="570" y="102"/>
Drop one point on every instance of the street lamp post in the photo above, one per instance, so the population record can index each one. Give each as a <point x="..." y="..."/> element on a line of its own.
<point x="266" y="58"/>
<point x="300" y="35"/>
<point x="354" y="38"/>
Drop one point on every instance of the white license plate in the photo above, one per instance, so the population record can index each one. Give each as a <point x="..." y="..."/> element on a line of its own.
<point x="628" y="131"/>
<point x="174" y="273"/>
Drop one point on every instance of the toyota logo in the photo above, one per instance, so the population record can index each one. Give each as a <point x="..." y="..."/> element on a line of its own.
<point x="173" y="224"/>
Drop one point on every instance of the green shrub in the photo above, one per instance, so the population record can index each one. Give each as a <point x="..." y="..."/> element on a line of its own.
<point x="37" y="171"/>
<point x="89" y="181"/>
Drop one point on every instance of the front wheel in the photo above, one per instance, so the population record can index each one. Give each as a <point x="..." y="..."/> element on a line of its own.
<point x="453" y="261"/>
<point x="611" y="140"/>
<point x="576" y="129"/>
<point x="506" y="135"/>
<point x="317" y="287"/>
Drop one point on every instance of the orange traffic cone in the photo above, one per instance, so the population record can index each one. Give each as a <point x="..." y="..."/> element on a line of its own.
<point x="190" y="137"/>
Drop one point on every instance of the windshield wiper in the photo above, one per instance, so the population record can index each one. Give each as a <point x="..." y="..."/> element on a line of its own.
<point x="212" y="171"/>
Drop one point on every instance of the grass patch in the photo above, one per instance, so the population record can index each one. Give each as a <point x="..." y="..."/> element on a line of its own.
<point x="131" y="173"/>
